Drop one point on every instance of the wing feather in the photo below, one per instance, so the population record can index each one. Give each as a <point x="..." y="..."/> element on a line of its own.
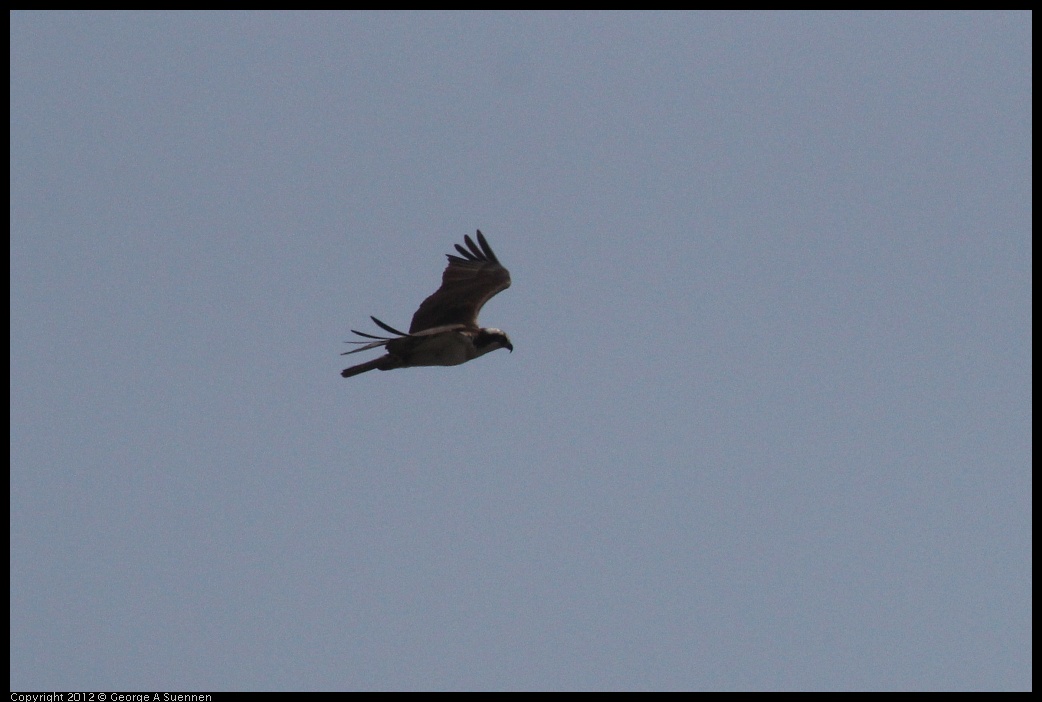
<point x="387" y="327"/>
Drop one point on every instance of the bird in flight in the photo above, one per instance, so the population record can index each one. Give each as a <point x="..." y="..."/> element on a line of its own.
<point x="445" y="331"/>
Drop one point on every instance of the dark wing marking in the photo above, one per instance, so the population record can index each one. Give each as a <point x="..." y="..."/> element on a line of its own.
<point x="386" y="327"/>
<point x="380" y="340"/>
<point x="470" y="280"/>
<point x="368" y="336"/>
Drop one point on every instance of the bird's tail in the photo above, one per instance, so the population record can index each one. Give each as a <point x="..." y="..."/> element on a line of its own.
<point x="385" y="362"/>
<point x="367" y="366"/>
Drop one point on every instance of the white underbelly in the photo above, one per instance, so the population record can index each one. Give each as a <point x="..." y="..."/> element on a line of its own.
<point x="449" y="349"/>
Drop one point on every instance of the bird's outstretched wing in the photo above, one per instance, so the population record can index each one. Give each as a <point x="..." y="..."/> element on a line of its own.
<point x="382" y="340"/>
<point x="470" y="280"/>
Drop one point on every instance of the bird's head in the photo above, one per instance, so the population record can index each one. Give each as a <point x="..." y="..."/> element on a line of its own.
<point x="492" y="339"/>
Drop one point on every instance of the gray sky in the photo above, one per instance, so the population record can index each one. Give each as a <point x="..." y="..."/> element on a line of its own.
<point x="766" y="425"/>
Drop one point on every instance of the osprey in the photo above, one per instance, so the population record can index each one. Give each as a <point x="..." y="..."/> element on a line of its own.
<point x="445" y="331"/>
